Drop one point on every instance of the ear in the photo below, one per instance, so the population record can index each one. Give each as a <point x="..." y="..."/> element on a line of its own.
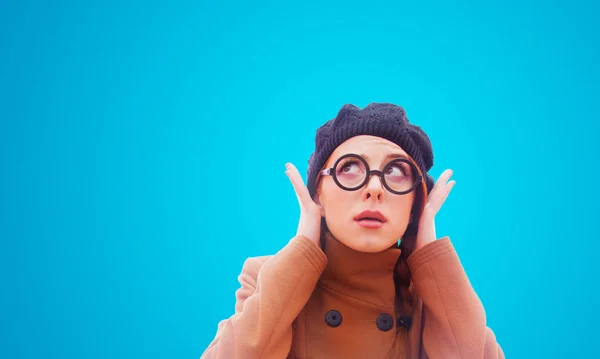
<point x="318" y="202"/>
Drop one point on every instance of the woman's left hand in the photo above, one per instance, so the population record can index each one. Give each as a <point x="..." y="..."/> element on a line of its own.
<point x="436" y="198"/>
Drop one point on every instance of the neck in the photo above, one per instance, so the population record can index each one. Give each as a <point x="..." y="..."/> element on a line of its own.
<point x="368" y="277"/>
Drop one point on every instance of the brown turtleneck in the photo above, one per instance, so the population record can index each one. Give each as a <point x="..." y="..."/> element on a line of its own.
<point x="367" y="277"/>
<point x="360" y="287"/>
<point x="305" y="302"/>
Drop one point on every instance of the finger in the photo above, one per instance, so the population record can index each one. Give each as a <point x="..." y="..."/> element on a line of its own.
<point x="447" y="189"/>
<point x="443" y="193"/>
<point x="442" y="179"/>
<point x="450" y="185"/>
<point x="288" y="173"/>
<point x="437" y="198"/>
<point x="298" y="184"/>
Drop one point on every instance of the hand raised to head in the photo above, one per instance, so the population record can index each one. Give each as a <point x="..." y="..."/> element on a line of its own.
<point x="309" y="224"/>
<point x="435" y="199"/>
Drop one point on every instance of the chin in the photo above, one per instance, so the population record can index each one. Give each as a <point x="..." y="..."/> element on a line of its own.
<point x="369" y="242"/>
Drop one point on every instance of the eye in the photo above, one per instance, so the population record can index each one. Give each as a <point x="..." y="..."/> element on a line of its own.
<point x="398" y="169"/>
<point x="350" y="167"/>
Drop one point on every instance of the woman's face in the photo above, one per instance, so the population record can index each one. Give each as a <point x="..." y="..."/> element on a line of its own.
<point x="341" y="207"/>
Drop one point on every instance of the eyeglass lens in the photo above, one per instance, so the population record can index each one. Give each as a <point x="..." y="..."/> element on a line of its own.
<point x="398" y="174"/>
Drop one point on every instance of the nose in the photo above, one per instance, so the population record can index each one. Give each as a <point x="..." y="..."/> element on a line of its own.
<point x="373" y="189"/>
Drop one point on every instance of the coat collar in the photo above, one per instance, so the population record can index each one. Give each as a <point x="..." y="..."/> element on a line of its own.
<point x="368" y="277"/>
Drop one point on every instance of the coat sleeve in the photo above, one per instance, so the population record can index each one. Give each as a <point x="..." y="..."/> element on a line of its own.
<point x="273" y="292"/>
<point x="454" y="324"/>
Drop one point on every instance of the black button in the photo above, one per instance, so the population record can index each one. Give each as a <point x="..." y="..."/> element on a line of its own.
<point x="404" y="321"/>
<point x="385" y="322"/>
<point x="333" y="318"/>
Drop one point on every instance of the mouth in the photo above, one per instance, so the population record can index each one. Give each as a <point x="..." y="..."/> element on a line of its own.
<point x="370" y="219"/>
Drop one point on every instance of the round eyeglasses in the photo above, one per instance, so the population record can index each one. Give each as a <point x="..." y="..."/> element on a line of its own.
<point x="351" y="172"/>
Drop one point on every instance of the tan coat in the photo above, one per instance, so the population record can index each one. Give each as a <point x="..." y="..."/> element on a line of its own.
<point x="306" y="303"/>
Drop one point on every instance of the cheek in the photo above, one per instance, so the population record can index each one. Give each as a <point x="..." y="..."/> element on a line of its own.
<point x="336" y="201"/>
<point x="400" y="210"/>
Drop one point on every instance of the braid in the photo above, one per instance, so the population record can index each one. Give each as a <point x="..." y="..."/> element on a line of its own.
<point x="402" y="278"/>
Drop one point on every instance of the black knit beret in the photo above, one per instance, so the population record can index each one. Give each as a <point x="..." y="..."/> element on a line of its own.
<point x="383" y="120"/>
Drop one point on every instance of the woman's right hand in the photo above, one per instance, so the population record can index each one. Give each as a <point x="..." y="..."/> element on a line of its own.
<point x="310" y="213"/>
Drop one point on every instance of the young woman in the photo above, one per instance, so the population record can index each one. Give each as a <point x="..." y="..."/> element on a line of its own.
<point x="364" y="277"/>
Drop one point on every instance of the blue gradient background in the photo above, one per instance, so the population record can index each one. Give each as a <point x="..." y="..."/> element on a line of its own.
<point x="142" y="149"/>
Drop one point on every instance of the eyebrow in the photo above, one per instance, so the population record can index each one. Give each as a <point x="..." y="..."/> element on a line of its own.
<point x="388" y="156"/>
<point x="396" y="155"/>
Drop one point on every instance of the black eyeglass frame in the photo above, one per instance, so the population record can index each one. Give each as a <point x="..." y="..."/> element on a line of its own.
<point x="331" y="172"/>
